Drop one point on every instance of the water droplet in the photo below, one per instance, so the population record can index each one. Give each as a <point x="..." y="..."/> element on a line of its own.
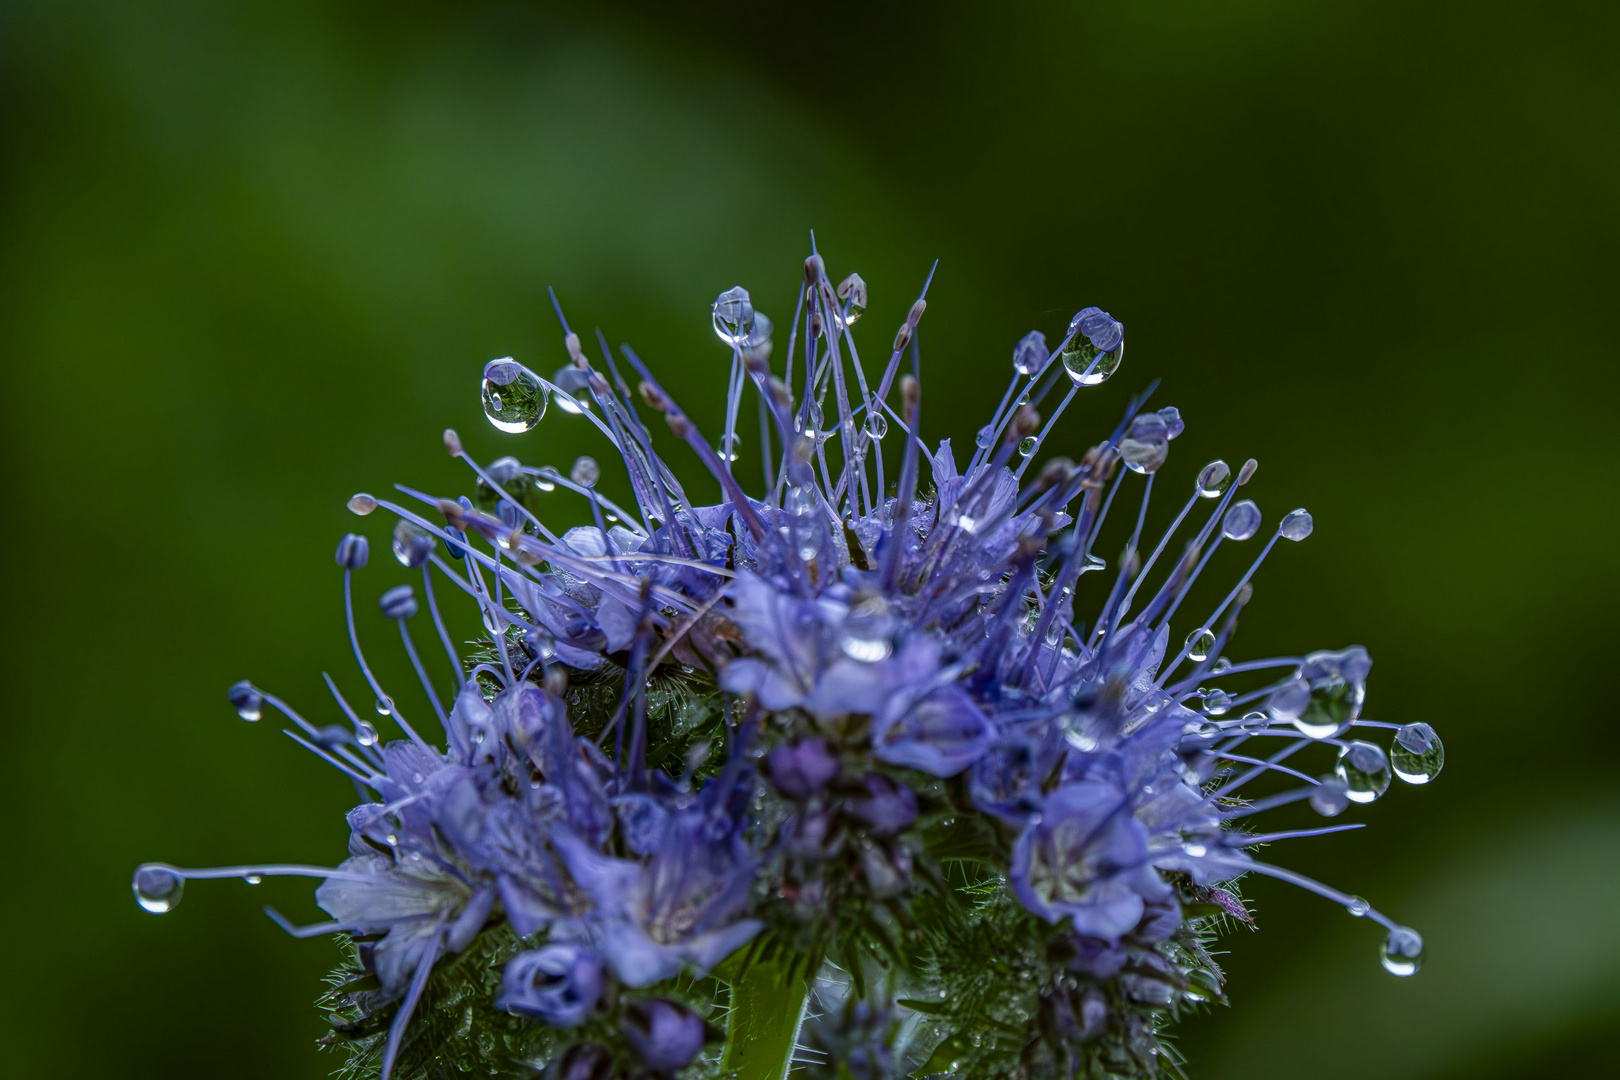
<point x="1364" y="770"/>
<point x="1221" y="665"/>
<point x="253" y="879"/>
<point x="877" y="425"/>
<point x="1417" y="754"/>
<point x="585" y="471"/>
<point x="1196" y="849"/>
<point x="361" y="504"/>
<point x="1086" y="366"/>
<point x="366" y="733"/>
<point x="1217" y="702"/>
<point x="1031" y="354"/>
<point x="157" y="888"/>
<point x="392" y="840"/>
<point x="985" y="437"/>
<point x="1093" y="562"/>
<point x="417" y="777"/>
<point x="867" y="630"/>
<point x="544" y="478"/>
<point x="247" y="701"/>
<point x="1336" y="682"/>
<point x="1200" y="643"/>
<point x="577" y="385"/>
<point x="1254" y="721"/>
<point x="514" y="400"/>
<point x="1329" y="798"/>
<point x="1297" y="525"/>
<point x="733" y="316"/>
<point x="412" y="544"/>
<point x="1213" y="479"/>
<point x="1358" y="907"/>
<point x="1289" y="700"/>
<point x="967" y="523"/>
<point x="1242" y="520"/>
<point x="1096" y="342"/>
<point x="1403" y="951"/>
<point x="1026" y="446"/>
<point x="384" y="706"/>
<point x="541" y="643"/>
<point x="723" y="454"/>
<point x="853" y="290"/>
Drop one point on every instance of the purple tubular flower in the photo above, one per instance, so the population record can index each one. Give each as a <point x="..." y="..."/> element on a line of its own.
<point x="942" y="734"/>
<point x="1086" y="858"/>
<point x="665" y="1036"/>
<point x="559" y="984"/>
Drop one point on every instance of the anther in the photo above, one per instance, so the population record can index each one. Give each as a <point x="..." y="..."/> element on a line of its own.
<point x="352" y="551"/>
<point x="398" y="602"/>
<point x="452" y="442"/>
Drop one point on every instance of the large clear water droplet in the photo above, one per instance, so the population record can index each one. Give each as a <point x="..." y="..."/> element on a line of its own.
<point x="585" y="471"/>
<point x="1026" y="446"/>
<point x="1417" y="754"/>
<point x="1200" y="643"/>
<point x="1217" y="702"/>
<point x="1252" y="722"/>
<point x="1358" y="907"/>
<point x="1086" y="366"/>
<point x="733" y="316"/>
<point x="985" y="437"/>
<point x="877" y="425"/>
<point x="157" y="888"/>
<point x="1242" y="520"/>
<point x="1403" y="952"/>
<point x="365" y="732"/>
<point x="514" y="400"/>
<point x="361" y="504"/>
<point x="1214" y="479"/>
<point x="545" y="478"/>
<point x="1337" y="685"/>
<point x="1297" y="525"/>
<point x="1364" y="770"/>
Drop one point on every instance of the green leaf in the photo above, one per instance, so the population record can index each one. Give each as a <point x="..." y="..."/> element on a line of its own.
<point x="767" y="1007"/>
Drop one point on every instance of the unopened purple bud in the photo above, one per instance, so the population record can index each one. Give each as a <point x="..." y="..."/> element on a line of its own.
<point x="585" y="1061"/>
<point x="886" y="806"/>
<point x="558" y="985"/>
<point x="801" y="769"/>
<point x="665" y="1035"/>
<point x="352" y="551"/>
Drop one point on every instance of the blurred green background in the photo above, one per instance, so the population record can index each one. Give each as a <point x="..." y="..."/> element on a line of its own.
<point x="254" y="255"/>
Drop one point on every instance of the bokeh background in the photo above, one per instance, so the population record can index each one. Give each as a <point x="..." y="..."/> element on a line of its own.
<point x="254" y="255"/>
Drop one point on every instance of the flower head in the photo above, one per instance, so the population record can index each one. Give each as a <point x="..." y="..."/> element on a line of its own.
<point x="885" y="641"/>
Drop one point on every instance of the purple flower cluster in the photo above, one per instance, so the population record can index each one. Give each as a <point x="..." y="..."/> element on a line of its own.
<point x="882" y="628"/>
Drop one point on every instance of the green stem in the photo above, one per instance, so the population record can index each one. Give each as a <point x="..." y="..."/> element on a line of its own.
<point x="767" y="1007"/>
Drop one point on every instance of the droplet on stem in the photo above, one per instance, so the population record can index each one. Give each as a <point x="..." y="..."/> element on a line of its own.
<point x="514" y="400"/>
<point x="157" y="888"/>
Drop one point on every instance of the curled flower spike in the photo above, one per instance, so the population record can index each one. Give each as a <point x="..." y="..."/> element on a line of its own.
<point x="864" y="726"/>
